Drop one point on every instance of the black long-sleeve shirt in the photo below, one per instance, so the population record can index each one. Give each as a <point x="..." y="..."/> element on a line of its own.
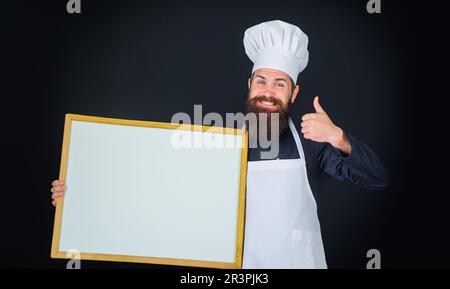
<point x="362" y="167"/>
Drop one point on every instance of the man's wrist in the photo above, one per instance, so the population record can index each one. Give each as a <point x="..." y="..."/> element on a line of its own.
<point x="341" y="142"/>
<point x="336" y="139"/>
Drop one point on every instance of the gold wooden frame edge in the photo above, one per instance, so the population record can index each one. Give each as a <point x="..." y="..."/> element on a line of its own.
<point x="56" y="254"/>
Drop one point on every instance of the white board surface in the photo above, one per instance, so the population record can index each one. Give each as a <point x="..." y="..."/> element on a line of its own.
<point x="131" y="192"/>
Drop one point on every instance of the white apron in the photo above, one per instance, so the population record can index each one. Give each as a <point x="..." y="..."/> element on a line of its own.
<point x="282" y="228"/>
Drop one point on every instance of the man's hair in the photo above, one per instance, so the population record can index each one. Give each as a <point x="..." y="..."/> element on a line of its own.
<point x="292" y="82"/>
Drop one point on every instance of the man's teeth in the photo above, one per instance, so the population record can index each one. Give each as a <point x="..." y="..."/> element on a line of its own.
<point x="267" y="102"/>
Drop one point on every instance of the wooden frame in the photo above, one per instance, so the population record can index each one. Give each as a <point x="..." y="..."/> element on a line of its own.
<point x="55" y="247"/>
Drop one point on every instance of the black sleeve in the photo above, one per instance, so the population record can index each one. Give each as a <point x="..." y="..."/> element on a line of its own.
<point x="362" y="167"/>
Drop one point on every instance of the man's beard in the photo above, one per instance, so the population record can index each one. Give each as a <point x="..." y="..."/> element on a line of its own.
<point x="265" y="122"/>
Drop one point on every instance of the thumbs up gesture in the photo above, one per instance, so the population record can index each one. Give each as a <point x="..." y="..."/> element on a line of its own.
<point x="319" y="127"/>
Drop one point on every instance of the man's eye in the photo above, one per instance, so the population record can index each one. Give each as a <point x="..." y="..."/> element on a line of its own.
<point x="280" y="84"/>
<point x="260" y="82"/>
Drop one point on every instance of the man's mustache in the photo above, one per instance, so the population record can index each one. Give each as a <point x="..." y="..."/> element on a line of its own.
<point x="267" y="98"/>
<point x="282" y="111"/>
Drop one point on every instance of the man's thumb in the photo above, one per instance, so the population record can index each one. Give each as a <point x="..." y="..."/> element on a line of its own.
<point x="317" y="106"/>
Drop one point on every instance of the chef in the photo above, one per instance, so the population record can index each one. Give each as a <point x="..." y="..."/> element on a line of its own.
<point x="282" y="228"/>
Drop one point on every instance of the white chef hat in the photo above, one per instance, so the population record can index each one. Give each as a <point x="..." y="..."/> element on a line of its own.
<point x="277" y="45"/>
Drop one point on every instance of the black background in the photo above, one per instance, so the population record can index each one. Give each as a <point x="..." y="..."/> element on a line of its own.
<point x="380" y="77"/>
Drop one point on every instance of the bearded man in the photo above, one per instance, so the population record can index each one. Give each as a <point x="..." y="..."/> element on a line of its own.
<point x="282" y="228"/>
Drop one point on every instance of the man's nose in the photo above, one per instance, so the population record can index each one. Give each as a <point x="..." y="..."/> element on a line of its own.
<point x="268" y="91"/>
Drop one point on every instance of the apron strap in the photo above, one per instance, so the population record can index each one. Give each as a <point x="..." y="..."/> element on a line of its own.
<point x="297" y="139"/>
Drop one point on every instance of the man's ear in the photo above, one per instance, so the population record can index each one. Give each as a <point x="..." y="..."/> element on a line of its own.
<point x="249" y="83"/>
<point x="295" y="93"/>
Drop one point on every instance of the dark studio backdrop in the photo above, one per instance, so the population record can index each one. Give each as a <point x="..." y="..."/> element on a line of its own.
<point x="147" y="60"/>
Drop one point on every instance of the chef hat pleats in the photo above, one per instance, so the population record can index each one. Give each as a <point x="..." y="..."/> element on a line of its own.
<point x="277" y="45"/>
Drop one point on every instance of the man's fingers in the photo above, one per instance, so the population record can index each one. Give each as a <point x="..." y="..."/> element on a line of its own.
<point x="58" y="183"/>
<point x="57" y="195"/>
<point x="317" y="105"/>
<point x="306" y="131"/>
<point x="309" y="116"/>
<point x="307" y="123"/>
<point x="58" y="189"/>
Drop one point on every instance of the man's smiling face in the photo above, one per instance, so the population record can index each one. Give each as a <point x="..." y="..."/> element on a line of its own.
<point x="271" y="91"/>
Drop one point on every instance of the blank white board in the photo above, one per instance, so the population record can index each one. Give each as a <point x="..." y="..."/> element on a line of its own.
<point x="138" y="192"/>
